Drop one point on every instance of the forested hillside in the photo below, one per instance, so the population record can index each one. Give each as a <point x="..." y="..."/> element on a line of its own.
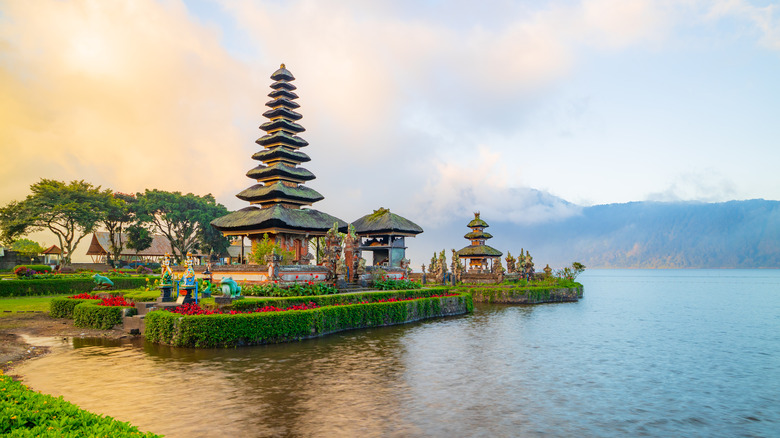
<point x="735" y="234"/>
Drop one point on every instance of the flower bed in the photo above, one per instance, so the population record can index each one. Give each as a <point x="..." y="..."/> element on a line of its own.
<point x="287" y="323"/>
<point x="26" y="413"/>
<point x="330" y="300"/>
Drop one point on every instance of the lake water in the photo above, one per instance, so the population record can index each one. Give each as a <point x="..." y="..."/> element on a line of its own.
<point x="644" y="353"/>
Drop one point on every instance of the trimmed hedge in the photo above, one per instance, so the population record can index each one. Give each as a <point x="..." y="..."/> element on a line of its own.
<point x="91" y="315"/>
<point x="63" y="307"/>
<point x="59" y="286"/>
<point x="26" y="413"/>
<point x="523" y="294"/>
<point x="225" y="330"/>
<point x="330" y="300"/>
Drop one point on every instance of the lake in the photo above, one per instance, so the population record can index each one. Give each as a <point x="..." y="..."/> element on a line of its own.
<point x="644" y="353"/>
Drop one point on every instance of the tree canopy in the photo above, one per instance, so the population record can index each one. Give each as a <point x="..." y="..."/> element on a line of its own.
<point x="70" y="211"/>
<point x="27" y="247"/>
<point x="182" y="219"/>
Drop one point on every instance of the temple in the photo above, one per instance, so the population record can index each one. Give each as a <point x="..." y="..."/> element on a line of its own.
<point x="479" y="254"/>
<point x="278" y="198"/>
<point x="383" y="234"/>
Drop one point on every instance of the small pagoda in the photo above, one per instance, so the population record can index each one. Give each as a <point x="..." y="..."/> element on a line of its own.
<point x="278" y="199"/>
<point x="383" y="233"/>
<point x="479" y="255"/>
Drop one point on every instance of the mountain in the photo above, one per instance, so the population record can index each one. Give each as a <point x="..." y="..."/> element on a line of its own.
<point x="734" y="234"/>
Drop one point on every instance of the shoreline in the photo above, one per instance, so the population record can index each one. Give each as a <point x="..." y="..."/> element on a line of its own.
<point x="15" y="350"/>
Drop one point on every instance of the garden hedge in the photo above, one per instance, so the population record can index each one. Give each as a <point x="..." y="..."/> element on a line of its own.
<point x="63" y="307"/>
<point x="90" y="315"/>
<point x="522" y="294"/>
<point x="26" y="413"/>
<point x="225" y="330"/>
<point x="330" y="300"/>
<point x="58" y="286"/>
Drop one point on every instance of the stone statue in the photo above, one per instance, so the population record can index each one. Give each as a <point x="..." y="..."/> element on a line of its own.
<point x="166" y="277"/>
<point x="272" y="260"/>
<point x="333" y="241"/>
<point x="229" y="287"/>
<point x="441" y="268"/>
<point x="361" y="268"/>
<point x="547" y="270"/>
<point x="188" y="278"/>
<point x="529" y="266"/>
<point x="102" y="282"/>
<point x="510" y="263"/>
<point x="341" y="267"/>
<point x="405" y="266"/>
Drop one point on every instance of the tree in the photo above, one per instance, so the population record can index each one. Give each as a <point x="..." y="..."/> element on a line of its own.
<point x="70" y="211"/>
<point x="180" y="218"/>
<point x="26" y="247"/>
<point x="138" y="238"/>
<point x="211" y="240"/>
<point x="119" y="212"/>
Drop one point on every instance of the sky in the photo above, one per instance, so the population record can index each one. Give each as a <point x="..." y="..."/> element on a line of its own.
<point x="523" y="110"/>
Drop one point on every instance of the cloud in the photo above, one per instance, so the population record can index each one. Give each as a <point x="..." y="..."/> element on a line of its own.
<point x="705" y="186"/>
<point x="484" y="183"/>
<point x="130" y="95"/>
<point x="765" y="19"/>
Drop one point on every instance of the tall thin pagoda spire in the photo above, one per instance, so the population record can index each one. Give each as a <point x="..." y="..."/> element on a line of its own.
<point x="279" y="179"/>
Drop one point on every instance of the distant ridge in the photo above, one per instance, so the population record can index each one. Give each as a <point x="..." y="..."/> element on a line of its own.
<point x="734" y="234"/>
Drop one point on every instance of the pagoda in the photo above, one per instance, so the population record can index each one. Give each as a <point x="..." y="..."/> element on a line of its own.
<point x="478" y="254"/>
<point x="383" y="233"/>
<point x="278" y="199"/>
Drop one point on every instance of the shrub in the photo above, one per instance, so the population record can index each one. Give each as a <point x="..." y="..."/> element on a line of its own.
<point x="390" y="284"/>
<point x="94" y="315"/>
<point x="61" y="286"/>
<point x="26" y="413"/>
<point x="35" y="268"/>
<point x="63" y="307"/>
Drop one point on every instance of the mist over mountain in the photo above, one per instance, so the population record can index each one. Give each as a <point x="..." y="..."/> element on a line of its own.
<point x="734" y="234"/>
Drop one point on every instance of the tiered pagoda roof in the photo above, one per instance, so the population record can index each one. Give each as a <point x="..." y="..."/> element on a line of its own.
<point x="478" y="236"/>
<point x="279" y="194"/>
<point x="382" y="222"/>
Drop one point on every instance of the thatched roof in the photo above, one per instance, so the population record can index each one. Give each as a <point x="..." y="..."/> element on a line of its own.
<point x="477" y="222"/>
<point x="383" y="222"/>
<point x="100" y="245"/>
<point x="478" y="235"/>
<point x="277" y="190"/>
<point x="255" y="218"/>
<point x="474" y="251"/>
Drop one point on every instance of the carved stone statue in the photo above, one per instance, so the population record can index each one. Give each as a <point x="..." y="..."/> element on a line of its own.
<point x="529" y="266"/>
<point x="166" y="277"/>
<point x="405" y="266"/>
<point x="361" y="268"/>
<point x="272" y="260"/>
<point x="332" y="252"/>
<point x="547" y="270"/>
<point x="510" y="263"/>
<point x="188" y="277"/>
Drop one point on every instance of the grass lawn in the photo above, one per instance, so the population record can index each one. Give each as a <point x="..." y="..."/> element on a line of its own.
<point x="16" y="304"/>
<point x="41" y="304"/>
